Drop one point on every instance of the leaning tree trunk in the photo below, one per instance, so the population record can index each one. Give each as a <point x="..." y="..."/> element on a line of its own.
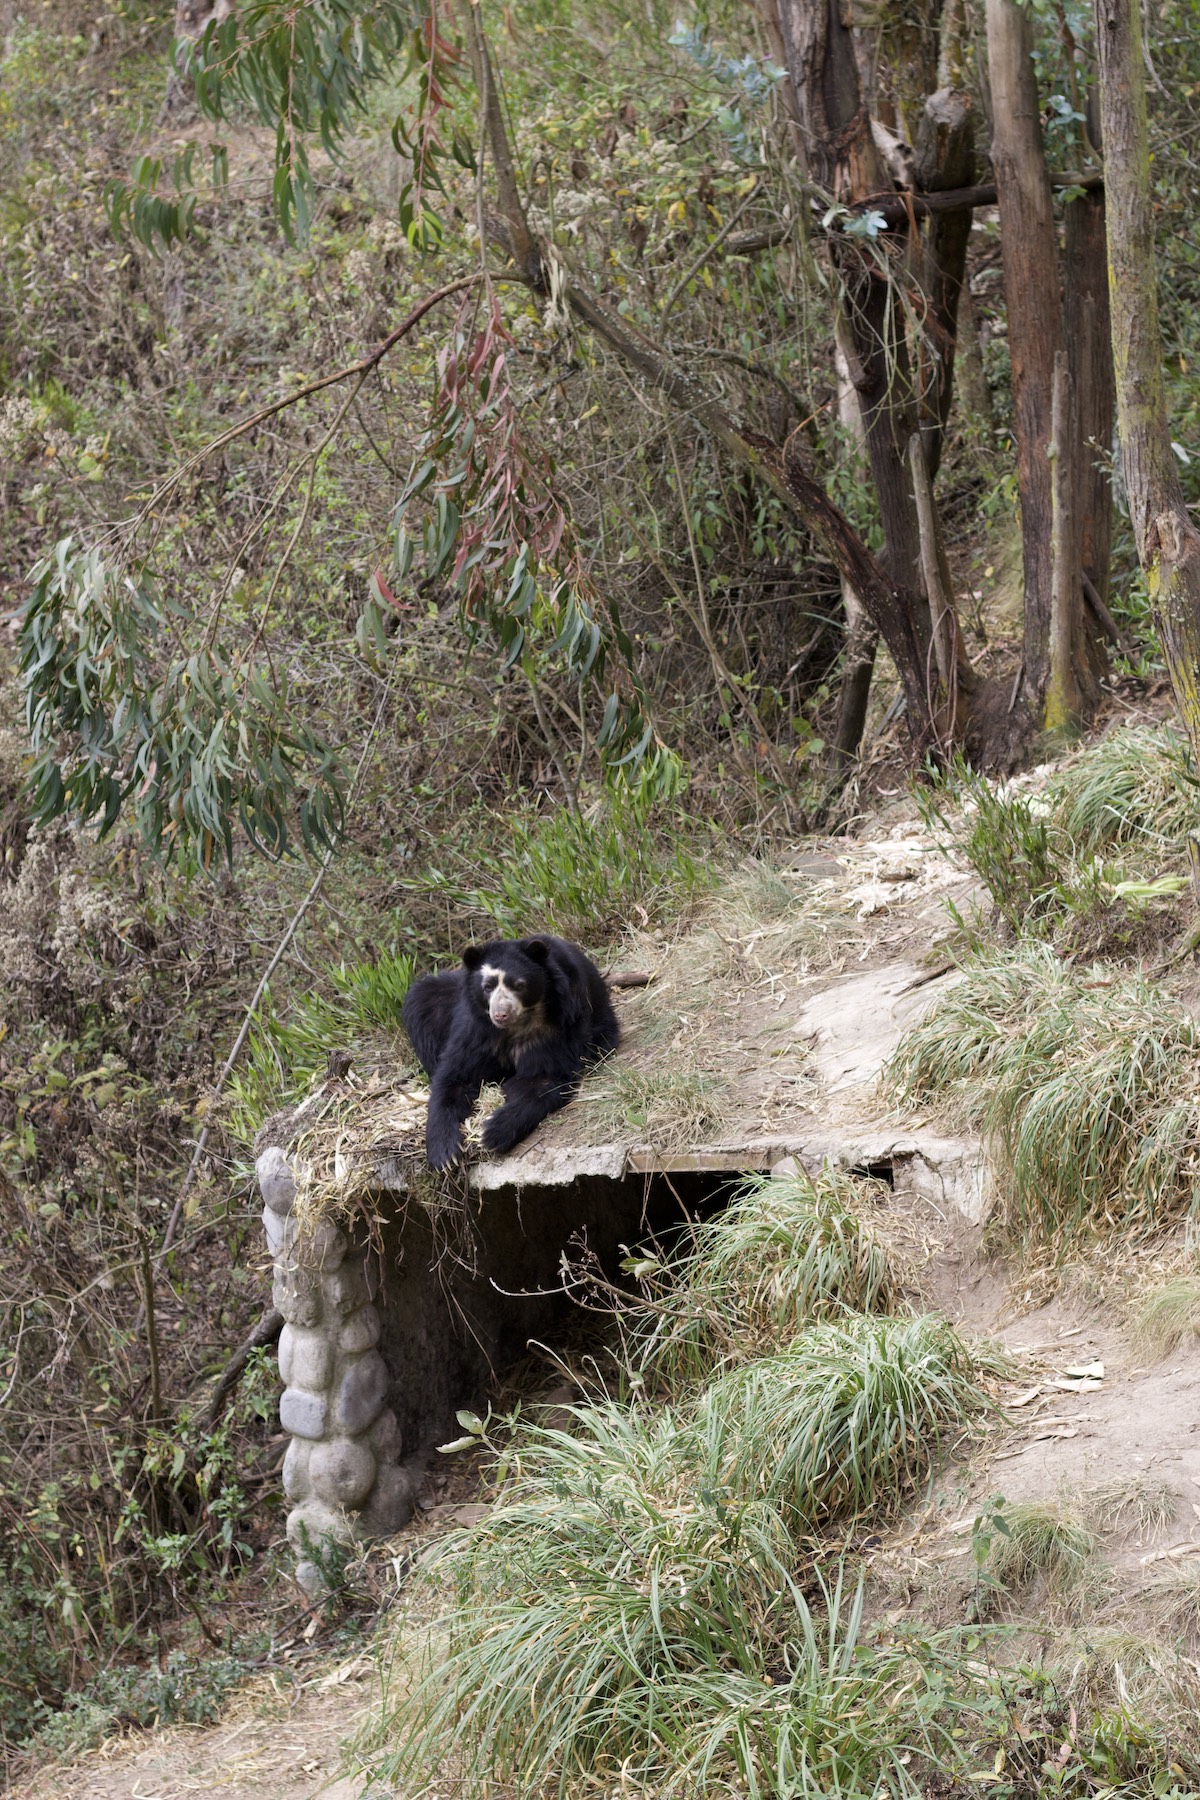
<point x="1033" y="300"/>
<point x="945" y="160"/>
<point x="1168" y="542"/>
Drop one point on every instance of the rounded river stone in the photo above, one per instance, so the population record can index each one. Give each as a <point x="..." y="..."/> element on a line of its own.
<point x="361" y="1330"/>
<point x="303" y="1414"/>
<point x="296" y="1483"/>
<point x="391" y="1504"/>
<point x="346" y="1289"/>
<point x="297" y="1296"/>
<point x="384" y="1438"/>
<point x="321" y="1524"/>
<point x="342" y="1471"/>
<point x="361" y="1394"/>
<point x="276" y="1183"/>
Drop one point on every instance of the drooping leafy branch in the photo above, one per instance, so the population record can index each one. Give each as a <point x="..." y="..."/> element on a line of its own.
<point x="122" y="712"/>
<point x="494" y="528"/>
<point x="421" y="134"/>
<point x="306" y="69"/>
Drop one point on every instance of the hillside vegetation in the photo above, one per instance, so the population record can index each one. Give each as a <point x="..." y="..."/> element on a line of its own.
<point x="329" y="646"/>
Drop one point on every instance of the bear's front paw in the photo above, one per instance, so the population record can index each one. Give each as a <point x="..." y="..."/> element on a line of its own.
<point x="443" y="1143"/>
<point x="499" y="1133"/>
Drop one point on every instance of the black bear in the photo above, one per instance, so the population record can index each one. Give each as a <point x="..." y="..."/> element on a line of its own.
<point x="529" y="1014"/>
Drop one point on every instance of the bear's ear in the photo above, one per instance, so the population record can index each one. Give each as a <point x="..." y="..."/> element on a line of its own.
<point x="536" y="949"/>
<point x="473" y="957"/>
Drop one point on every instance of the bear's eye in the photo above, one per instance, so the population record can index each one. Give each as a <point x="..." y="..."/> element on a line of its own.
<point x="489" y="984"/>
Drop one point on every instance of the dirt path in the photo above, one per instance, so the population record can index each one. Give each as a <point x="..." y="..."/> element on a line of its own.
<point x="272" y="1744"/>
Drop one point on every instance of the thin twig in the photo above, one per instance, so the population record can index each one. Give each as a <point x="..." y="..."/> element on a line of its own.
<point x="260" y="990"/>
<point x="710" y="249"/>
<point x="151" y="1326"/>
<point x="363" y="366"/>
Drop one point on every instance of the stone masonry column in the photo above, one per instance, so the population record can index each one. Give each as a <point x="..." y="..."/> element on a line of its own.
<point x="341" y="1471"/>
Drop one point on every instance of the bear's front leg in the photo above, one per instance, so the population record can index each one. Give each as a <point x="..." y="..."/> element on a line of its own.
<point x="528" y="1099"/>
<point x="452" y="1096"/>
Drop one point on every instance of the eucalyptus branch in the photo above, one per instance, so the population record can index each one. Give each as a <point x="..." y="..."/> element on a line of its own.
<point x="363" y="367"/>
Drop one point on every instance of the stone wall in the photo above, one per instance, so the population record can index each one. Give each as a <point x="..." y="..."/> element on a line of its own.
<point x="375" y="1368"/>
<point x="342" y="1471"/>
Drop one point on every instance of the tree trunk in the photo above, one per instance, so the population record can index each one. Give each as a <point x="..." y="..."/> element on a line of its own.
<point x="862" y="639"/>
<point x="1063" y="704"/>
<point x="945" y="160"/>
<point x="968" y="362"/>
<point x="1089" y="344"/>
<point x="1168" y="542"/>
<point x="1032" y="292"/>
<point x="841" y="158"/>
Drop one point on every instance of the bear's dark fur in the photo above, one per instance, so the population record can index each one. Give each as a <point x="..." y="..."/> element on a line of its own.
<point x="528" y="1014"/>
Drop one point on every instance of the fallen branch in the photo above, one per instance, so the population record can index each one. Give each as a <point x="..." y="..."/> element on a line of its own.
<point x="264" y="1333"/>
<point x="1112" y="630"/>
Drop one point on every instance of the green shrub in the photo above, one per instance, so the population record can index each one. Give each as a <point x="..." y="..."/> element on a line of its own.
<point x="1084" y="1082"/>
<point x="585" y="878"/>
<point x="1005" y="836"/>
<point x="1039" y="855"/>
<point x="843" y="1422"/>
<point x="785" y="1253"/>
<point x="186" y="1690"/>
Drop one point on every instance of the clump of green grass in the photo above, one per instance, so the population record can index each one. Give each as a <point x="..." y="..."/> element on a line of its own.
<point x="629" y="1607"/>
<point x="1134" y="787"/>
<point x="846" y="1420"/>
<point x="1040" y="1538"/>
<point x="665" y="1106"/>
<point x="787" y="1252"/>
<point x="589" y="877"/>
<point x="1084" y="1083"/>
<point x="288" y="1047"/>
<point x="1166" y="1317"/>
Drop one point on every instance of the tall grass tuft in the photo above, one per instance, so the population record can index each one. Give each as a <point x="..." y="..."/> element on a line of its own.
<point x="1135" y="786"/>
<point x="1166" y="1317"/>
<point x="666" y="1105"/>
<point x="1042" y="1538"/>
<point x="1084" y="1083"/>
<point x="588" y="878"/>
<point x="846" y="1421"/>
<point x="787" y="1252"/>
<point x="628" y="1611"/>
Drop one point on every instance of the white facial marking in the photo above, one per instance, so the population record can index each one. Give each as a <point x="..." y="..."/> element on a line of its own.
<point x="504" y="1007"/>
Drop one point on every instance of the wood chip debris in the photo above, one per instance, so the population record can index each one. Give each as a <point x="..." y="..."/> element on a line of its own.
<point x="1175" y="1554"/>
